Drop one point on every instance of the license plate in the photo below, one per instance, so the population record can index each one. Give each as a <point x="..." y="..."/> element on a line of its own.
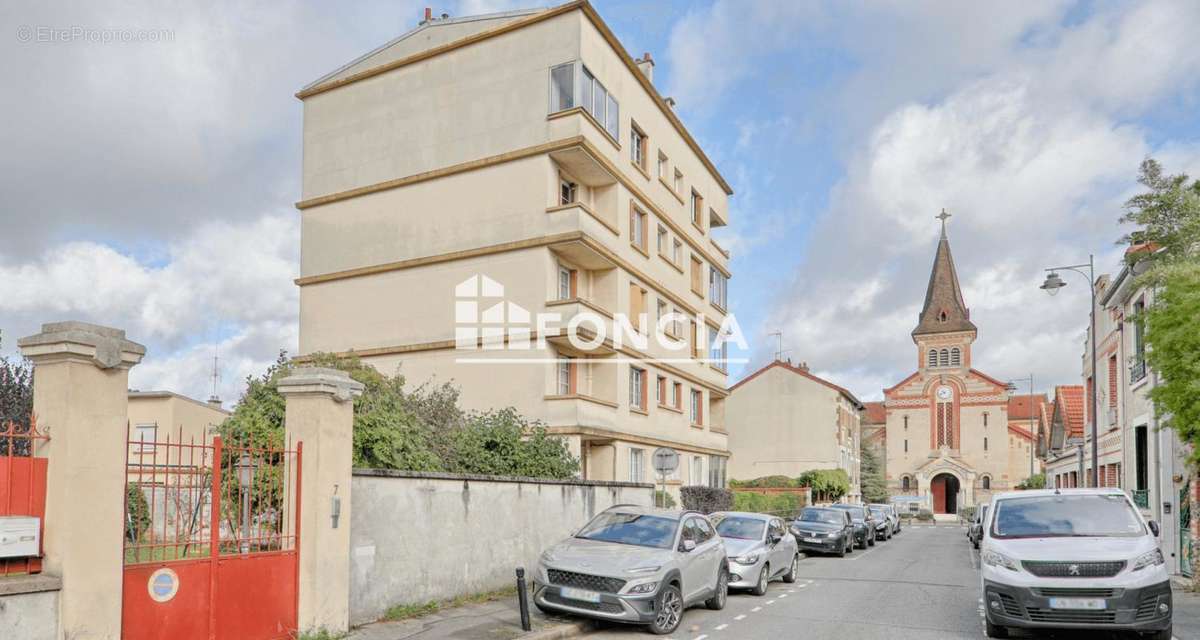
<point x="812" y="540"/>
<point x="579" y="594"/>
<point x="1093" y="604"/>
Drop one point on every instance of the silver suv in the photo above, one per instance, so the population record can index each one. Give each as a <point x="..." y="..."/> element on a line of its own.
<point x="635" y="564"/>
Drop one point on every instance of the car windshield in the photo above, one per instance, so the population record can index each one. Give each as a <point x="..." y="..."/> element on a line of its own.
<point x="878" y="512"/>
<point x="856" y="513"/>
<point x="631" y="528"/>
<point x="1081" y="516"/>
<point x="739" y="527"/>
<point x="822" y="515"/>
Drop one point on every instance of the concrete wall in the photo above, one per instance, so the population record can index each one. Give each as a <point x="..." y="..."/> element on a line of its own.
<point x="485" y="527"/>
<point x="29" y="607"/>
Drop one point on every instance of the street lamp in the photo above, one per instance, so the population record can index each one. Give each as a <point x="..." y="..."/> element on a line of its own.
<point x="1033" y="437"/>
<point x="245" y="466"/>
<point x="1053" y="283"/>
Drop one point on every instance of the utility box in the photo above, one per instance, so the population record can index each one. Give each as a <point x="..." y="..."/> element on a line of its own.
<point x="20" y="536"/>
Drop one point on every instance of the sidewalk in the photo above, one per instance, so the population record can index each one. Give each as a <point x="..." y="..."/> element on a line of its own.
<point x="1187" y="614"/>
<point x="494" y="620"/>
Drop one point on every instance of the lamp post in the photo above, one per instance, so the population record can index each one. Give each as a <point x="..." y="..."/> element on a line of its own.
<point x="1033" y="437"/>
<point x="1052" y="284"/>
<point x="245" y="466"/>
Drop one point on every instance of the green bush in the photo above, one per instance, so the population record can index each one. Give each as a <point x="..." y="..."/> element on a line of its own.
<point x="784" y="505"/>
<point x="1036" y="481"/>
<point x="137" y="519"/>
<point x="706" y="499"/>
<point x="828" y="485"/>
<point x="765" y="482"/>
<point x="664" y="499"/>
<point x="925" y="515"/>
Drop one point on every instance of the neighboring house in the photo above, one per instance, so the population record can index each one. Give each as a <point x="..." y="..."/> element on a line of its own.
<point x="479" y="171"/>
<point x="785" y="421"/>
<point x="1063" y="462"/>
<point x="948" y="436"/>
<point x="1028" y="416"/>
<point x="159" y="416"/>
<point x="1154" y="468"/>
<point x="874" y="431"/>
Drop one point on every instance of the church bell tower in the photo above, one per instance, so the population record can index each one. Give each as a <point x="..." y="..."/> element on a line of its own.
<point x="944" y="330"/>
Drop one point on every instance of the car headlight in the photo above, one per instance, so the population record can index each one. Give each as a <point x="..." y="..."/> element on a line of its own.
<point x="995" y="559"/>
<point x="546" y="557"/>
<point x="645" y="587"/>
<point x="1148" y="559"/>
<point x="746" y="559"/>
<point x="643" y="569"/>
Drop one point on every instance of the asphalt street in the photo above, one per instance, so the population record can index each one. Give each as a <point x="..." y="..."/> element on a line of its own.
<point x="923" y="583"/>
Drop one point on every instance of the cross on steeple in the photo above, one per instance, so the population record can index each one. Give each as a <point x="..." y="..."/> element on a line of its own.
<point x="943" y="216"/>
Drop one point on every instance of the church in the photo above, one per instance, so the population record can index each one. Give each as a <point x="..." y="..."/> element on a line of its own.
<point x="947" y="434"/>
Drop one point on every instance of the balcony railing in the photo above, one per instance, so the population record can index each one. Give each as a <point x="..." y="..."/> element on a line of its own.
<point x="1137" y="371"/>
<point x="1141" y="498"/>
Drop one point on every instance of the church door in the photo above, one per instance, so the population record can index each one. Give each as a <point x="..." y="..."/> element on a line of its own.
<point x="944" y="490"/>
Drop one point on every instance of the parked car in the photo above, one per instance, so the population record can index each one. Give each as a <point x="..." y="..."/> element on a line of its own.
<point x="759" y="549"/>
<point x="1073" y="558"/>
<point x="892" y="514"/>
<point x="635" y="564"/>
<point x="975" y="530"/>
<point x="824" y="530"/>
<point x="864" y="523"/>
<point x="883" y="525"/>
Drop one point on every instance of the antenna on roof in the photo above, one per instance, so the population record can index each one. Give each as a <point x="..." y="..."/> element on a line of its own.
<point x="214" y="399"/>
<point x="779" y="344"/>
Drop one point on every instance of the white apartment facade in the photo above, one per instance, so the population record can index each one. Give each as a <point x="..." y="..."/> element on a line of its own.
<point x="478" y="172"/>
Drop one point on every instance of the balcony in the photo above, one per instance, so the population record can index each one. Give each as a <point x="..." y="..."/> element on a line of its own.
<point x="1137" y="371"/>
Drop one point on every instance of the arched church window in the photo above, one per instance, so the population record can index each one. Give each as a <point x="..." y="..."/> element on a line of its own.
<point x="932" y="357"/>
<point x="955" y="357"/>
<point x="986" y="483"/>
<point x="942" y="316"/>
<point x="944" y="358"/>
<point x="906" y="483"/>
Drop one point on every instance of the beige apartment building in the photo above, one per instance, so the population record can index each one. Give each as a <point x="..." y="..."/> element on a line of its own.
<point x="480" y="187"/>
<point x="166" y="416"/>
<point x="787" y="420"/>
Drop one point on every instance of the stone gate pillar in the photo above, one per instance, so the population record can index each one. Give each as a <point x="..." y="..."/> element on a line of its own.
<point x="320" y="413"/>
<point x="80" y="398"/>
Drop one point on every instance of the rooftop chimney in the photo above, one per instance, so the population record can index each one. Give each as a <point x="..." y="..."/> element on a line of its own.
<point x="428" y="16"/>
<point x="646" y="64"/>
<point x="214" y="402"/>
<point x="804" y="367"/>
<point x="670" y="102"/>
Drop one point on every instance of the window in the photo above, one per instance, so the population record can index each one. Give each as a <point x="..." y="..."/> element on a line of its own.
<point x="637" y="146"/>
<point x="662" y="166"/>
<point x="636" y="465"/>
<point x="637" y="306"/>
<point x="566" y="378"/>
<point x="1112" y="383"/>
<point x="697" y="209"/>
<point x="986" y="483"/>
<point x="678" y="184"/>
<point x="662" y="311"/>
<point x="568" y="192"/>
<point x="697" y="470"/>
<point x="985" y="443"/>
<point x="905" y="483"/>
<point x="718" y="287"/>
<point x="718" y="349"/>
<point x="906" y="446"/>
<point x="932" y="358"/>
<point x="677" y="395"/>
<point x="660" y="391"/>
<point x="677" y="252"/>
<point x="566" y="283"/>
<point x="906" y="423"/>
<point x="676" y="325"/>
<point x="944" y="358"/>
<point x="716" y="472"/>
<point x="147" y="435"/>
<point x="613" y="124"/>
<point x="637" y="388"/>
<point x="637" y="228"/>
<point x="697" y="412"/>
<point x="697" y="276"/>
<point x="663" y="237"/>
<point x="985" y="418"/>
<point x="562" y="87"/>
<point x="955" y="357"/>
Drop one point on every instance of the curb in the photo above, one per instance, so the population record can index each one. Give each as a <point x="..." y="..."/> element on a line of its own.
<point x="557" y="631"/>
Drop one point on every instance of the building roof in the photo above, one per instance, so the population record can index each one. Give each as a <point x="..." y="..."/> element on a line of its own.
<point x="1026" y="407"/>
<point x="801" y="372"/>
<point x="408" y="49"/>
<point x="874" y="413"/>
<point x="944" y="310"/>
<point x="135" y="394"/>
<point x="1020" y="431"/>
<point x="1068" y="399"/>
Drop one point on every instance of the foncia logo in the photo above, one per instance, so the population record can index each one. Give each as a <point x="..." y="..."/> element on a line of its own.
<point x="485" y="320"/>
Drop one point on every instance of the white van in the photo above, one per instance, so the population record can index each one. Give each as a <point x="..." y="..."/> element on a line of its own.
<point x="1073" y="559"/>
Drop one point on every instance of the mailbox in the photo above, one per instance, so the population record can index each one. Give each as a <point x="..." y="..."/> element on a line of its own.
<point x="19" y="536"/>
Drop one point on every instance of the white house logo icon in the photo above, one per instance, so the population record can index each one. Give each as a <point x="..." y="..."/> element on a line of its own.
<point x="483" y="319"/>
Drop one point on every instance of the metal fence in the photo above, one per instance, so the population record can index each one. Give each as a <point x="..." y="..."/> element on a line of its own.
<point x="23" y="485"/>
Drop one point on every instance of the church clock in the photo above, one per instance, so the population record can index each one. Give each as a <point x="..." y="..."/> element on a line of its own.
<point x="945" y="393"/>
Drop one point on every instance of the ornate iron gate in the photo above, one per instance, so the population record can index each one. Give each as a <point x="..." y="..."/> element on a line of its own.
<point x="1185" y="529"/>
<point x="211" y="539"/>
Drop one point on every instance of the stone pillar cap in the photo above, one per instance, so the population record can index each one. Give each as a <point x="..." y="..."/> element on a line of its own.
<point x="104" y="347"/>
<point x="334" y="382"/>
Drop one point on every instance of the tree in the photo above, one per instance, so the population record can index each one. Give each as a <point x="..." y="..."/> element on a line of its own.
<point x="16" y="393"/>
<point x="874" y="487"/>
<point x="1036" y="481"/>
<point x="827" y="484"/>
<point x="1167" y="215"/>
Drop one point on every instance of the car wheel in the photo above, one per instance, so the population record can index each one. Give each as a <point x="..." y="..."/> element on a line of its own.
<point x="871" y="541"/>
<point x="842" y="551"/>
<point x="764" y="577"/>
<point x="849" y="545"/>
<point x="670" y="611"/>
<point x="996" y="631"/>
<point x="790" y="576"/>
<point x="717" y="601"/>
<point x="975" y="543"/>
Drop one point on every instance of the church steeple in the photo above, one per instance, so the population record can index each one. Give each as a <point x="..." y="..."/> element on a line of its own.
<point x="944" y="310"/>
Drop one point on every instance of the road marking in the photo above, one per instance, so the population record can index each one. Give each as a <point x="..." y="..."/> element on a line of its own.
<point x="783" y="595"/>
<point x="700" y="637"/>
<point x="770" y="602"/>
<point x="741" y="617"/>
<point x="756" y="610"/>
<point x="863" y="554"/>
<point x="721" y="627"/>
<point x="800" y="586"/>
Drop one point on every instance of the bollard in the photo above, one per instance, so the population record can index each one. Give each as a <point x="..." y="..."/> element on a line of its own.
<point x="523" y="599"/>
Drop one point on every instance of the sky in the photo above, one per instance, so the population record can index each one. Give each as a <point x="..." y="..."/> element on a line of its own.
<point x="150" y="185"/>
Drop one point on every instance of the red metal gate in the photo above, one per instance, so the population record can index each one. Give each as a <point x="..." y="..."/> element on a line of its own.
<point x="211" y="539"/>
<point x="22" y="485"/>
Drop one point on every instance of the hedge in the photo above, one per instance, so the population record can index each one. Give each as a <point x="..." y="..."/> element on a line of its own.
<point x="784" y="505"/>
<point x="706" y="499"/>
